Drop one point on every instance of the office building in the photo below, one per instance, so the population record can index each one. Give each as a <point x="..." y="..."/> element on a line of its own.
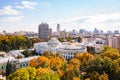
<point x="44" y="32"/>
<point x="58" y="30"/>
<point x="96" y="31"/>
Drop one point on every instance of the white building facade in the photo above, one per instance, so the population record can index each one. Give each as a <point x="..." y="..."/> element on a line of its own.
<point x="66" y="49"/>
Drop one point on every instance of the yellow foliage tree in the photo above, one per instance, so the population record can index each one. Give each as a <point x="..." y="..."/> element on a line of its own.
<point x="41" y="61"/>
<point x="75" y="62"/>
<point x="85" y="58"/>
<point x="76" y="78"/>
<point x="42" y="71"/>
<point x="60" y="73"/>
<point x="56" y="63"/>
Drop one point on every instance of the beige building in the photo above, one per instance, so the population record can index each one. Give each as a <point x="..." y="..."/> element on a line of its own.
<point x="114" y="41"/>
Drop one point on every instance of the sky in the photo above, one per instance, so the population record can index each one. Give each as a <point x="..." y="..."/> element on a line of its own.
<point x="16" y="15"/>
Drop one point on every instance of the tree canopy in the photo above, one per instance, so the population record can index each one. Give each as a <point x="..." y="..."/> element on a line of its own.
<point x="84" y="66"/>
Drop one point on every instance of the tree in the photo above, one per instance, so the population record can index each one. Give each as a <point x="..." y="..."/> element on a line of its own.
<point x="41" y="61"/>
<point x="69" y="39"/>
<point x="19" y="56"/>
<point x="10" y="68"/>
<point x="115" y="69"/>
<point x="94" y="76"/>
<point x="29" y="43"/>
<point x="8" y="43"/>
<point x="46" y="74"/>
<point x="26" y="53"/>
<point x="56" y="63"/>
<point x="76" y="78"/>
<point x="85" y="59"/>
<point x="36" y="40"/>
<point x="75" y="62"/>
<point x="23" y="74"/>
<point x="6" y="48"/>
<point x="79" y="39"/>
<point x="33" y="62"/>
<point x="61" y="39"/>
<point x="104" y="76"/>
<point x="91" y="49"/>
<point x="72" y="71"/>
<point x="100" y="65"/>
<point x="32" y="73"/>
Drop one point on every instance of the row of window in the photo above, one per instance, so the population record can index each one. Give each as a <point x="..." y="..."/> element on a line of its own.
<point x="20" y="65"/>
<point x="68" y="53"/>
<point x="23" y="65"/>
<point x="68" y="57"/>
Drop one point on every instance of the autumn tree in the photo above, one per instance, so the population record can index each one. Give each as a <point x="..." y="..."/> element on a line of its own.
<point x="115" y="69"/>
<point x="94" y="76"/>
<point x="46" y="74"/>
<point x="85" y="59"/>
<point x="41" y="61"/>
<point x="33" y="62"/>
<point x="23" y="74"/>
<point x="56" y="63"/>
<point x="72" y="71"/>
<point x="110" y="52"/>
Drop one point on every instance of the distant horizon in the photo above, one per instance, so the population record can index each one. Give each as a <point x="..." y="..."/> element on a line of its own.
<point x="26" y="15"/>
<point x="55" y="30"/>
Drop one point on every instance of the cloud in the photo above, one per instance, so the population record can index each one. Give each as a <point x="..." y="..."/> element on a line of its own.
<point x="95" y="19"/>
<point x="8" y="10"/>
<point x="102" y="18"/>
<point x="11" y="19"/>
<point x="27" y="5"/>
<point x="101" y="21"/>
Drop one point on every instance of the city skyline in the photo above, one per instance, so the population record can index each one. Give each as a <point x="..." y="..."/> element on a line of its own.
<point x="26" y="15"/>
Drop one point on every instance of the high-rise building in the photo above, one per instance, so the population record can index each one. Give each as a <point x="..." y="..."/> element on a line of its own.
<point x="116" y="32"/>
<point x="101" y="32"/>
<point x="44" y="32"/>
<point x="96" y="31"/>
<point x="82" y="31"/>
<point x="109" y="32"/>
<point x="58" y="27"/>
<point x="58" y="30"/>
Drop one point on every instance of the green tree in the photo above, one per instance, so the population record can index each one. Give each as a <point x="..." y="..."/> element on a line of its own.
<point x="79" y="39"/>
<point x="10" y="68"/>
<point x="26" y="53"/>
<point x="61" y="39"/>
<point x="115" y="69"/>
<point x="36" y="40"/>
<point x="91" y="49"/>
<point x="69" y="39"/>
